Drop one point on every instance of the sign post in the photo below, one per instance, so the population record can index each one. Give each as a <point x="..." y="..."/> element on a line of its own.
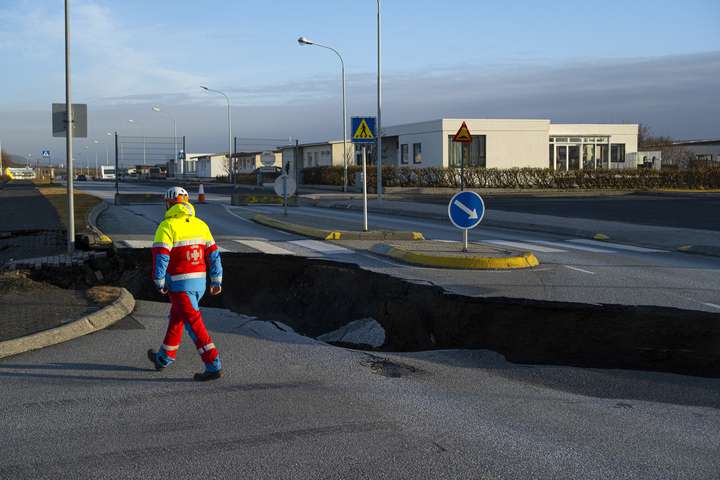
<point x="364" y="133"/>
<point x="466" y="210"/>
<point x="464" y="137"/>
<point x="285" y="187"/>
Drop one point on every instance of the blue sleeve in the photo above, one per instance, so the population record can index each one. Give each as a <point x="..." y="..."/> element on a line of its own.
<point x="216" y="270"/>
<point x="160" y="265"/>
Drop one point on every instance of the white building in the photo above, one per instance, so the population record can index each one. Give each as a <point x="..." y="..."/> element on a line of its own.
<point x="212" y="166"/>
<point x="512" y="144"/>
<point x="248" y="162"/>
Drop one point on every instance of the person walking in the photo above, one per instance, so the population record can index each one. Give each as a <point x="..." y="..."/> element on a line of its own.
<point x="182" y="250"/>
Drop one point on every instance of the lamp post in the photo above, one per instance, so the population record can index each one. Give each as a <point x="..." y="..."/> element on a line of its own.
<point x="69" y="137"/>
<point x="305" y="41"/>
<point x="107" y="151"/>
<point x="156" y="108"/>
<point x="229" y="115"/>
<point x="379" y="107"/>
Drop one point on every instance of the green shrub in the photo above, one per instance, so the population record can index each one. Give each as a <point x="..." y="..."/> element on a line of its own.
<point x="522" y="178"/>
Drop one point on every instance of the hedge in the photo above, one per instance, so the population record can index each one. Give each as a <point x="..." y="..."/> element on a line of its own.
<point x="523" y="178"/>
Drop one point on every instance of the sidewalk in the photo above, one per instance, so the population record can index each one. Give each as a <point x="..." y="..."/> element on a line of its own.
<point x="646" y="235"/>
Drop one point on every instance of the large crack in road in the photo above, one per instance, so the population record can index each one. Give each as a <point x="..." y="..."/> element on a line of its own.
<point x="317" y="296"/>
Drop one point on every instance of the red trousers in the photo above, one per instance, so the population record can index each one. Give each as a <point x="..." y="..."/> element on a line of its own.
<point x="185" y="312"/>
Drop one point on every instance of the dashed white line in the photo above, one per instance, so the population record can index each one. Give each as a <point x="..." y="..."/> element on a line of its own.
<point x="322" y="247"/>
<point x="264" y="247"/>
<point x="574" y="247"/>
<point x="579" y="270"/>
<point x="525" y="246"/>
<point x="630" y="248"/>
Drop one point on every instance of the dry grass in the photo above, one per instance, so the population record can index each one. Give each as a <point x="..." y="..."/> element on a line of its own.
<point x="57" y="196"/>
<point x="103" y="295"/>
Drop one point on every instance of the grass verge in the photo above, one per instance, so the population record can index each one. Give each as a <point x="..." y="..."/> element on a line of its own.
<point x="57" y="196"/>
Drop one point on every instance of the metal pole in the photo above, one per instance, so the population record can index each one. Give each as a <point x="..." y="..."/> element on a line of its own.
<point x="175" y="155"/>
<point x="462" y="166"/>
<point x="378" y="154"/>
<point x="364" y="186"/>
<point x="230" y="158"/>
<point x="345" y="157"/>
<point x="69" y="137"/>
<point x="144" y="155"/>
<point x="465" y="240"/>
<point x="285" y="199"/>
<point x="297" y="165"/>
<point x="117" y="170"/>
<point x="235" y="168"/>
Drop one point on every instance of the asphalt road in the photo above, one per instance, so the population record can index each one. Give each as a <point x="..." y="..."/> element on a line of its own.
<point x="292" y="407"/>
<point x="680" y="211"/>
<point x="572" y="269"/>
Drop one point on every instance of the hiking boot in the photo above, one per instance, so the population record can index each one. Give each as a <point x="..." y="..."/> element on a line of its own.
<point x="206" y="376"/>
<point x="153" y="357"/>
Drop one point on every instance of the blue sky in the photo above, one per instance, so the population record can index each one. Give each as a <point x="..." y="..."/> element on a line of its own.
<point x="656" y="62"/>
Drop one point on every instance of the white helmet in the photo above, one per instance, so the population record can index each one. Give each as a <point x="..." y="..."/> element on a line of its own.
<point x="177" y="195"/>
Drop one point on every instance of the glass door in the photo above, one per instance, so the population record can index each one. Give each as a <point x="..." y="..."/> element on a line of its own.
<point x="574" y="157"/>
<point x="562" y="157"/>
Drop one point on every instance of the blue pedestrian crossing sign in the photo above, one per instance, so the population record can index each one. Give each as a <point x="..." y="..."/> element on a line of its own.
<point x="466" y="210"/>
<point x="46" y="153"/>
<point x="363" y="130"/>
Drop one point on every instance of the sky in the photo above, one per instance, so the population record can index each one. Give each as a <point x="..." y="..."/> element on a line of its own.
<point x="655" y="62"/>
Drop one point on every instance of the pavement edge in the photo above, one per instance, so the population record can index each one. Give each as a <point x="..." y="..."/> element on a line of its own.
<point x="103" y="318"/>
<point x="92" y="218"/>
<point x="321" y="234"/>
<point x="524" y="260"/>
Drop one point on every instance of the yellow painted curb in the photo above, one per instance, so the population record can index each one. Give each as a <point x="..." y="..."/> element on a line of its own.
<point x="103" y="318"/>
<point x="526" y="260"/>
<point x="601" y="236"/>
<point x="685" y="248"/>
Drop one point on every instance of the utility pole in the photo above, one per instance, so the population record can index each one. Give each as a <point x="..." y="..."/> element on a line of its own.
<point x="69" y="137"/>
<point x="378" y="154"/>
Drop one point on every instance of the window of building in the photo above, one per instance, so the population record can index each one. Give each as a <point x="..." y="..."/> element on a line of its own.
<point x="404" y="153"/>
<point x="617" y="153"/>
<point x="477" y="152"/>
<point x="417" y="153"/>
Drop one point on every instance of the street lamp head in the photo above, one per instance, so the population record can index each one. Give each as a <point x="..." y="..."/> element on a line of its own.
<point x="204" y="87"/>
<point x="95" y="141"/>
<point x="156" y="108"/>
<point x="131" y="121"/>
<point x="305" y="41"/>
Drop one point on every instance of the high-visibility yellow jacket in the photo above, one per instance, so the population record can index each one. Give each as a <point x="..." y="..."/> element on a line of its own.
<point x="183" y="245"/>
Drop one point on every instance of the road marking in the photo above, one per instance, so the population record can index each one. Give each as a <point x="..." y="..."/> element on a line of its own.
<point x="240" y="217"/>
<point x="712" y="305"/>
<point x="138" y="243"/>
<point x="579" y="270"/>
<point x="322" y="247"/>
<point x="630" y="248"/>
<point x="265" y="247"/>
<point x="524" y="246"/>
<point x="574" y="247"/>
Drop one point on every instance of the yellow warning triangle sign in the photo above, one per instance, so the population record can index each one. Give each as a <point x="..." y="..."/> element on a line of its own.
<point x="363" y="132"/>
<point x="463" y="135"/>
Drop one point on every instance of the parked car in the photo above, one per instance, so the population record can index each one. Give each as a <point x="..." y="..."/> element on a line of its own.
<point x="81" y="178"/>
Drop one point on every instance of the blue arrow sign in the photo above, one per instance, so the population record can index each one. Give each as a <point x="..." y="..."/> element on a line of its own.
<point x="466" y="210"/>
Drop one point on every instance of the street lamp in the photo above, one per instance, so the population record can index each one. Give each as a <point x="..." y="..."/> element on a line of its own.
<point x="96" y="158"/>
<point x="230" y="159"/>
<point x="156" y="108"/>
<point x="379" y="108"/>
<point x="304" y="41"/>
<point x="107" y="151"/>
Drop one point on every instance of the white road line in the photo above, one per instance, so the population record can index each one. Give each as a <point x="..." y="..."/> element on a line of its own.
<point x="265" y="247"/>
<point x="574" y="247"/>
<point x="579" y="270"/>
<point x="630" y="248"/>
<point x="322" y="247"/>
<point x="240" y="217"/>
<point x="524" y="246"/>
<point x="712" y="305"/>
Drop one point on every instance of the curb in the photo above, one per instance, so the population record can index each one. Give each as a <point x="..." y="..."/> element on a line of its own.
<point x="94" y="322"/>
<point x="262" y="199"/>
<point x="493" y="223"/>
<point x="708" y="250"/>
<point x="92" y="218"/>
<point x="525" y="260"/>
<point x="321" y="234"/>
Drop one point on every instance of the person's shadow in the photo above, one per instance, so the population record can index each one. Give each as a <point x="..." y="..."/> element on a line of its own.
<point x="85" y="367"/>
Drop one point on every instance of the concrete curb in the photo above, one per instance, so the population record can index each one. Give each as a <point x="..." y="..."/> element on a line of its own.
<point x="493" y="223"/>
<point x="120" y="308"/>
<point x="708" y="250"/>
<point x="260" y="199"/>
<point x="525" y="260"/>
<point x="92" y="218"/>
<point x="321" y="234"/>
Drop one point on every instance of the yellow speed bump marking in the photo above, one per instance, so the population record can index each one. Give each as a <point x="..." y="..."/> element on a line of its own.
<point x="685" y="248"/>
<point x="601" y="237"/>
<point x="526" y="260"/>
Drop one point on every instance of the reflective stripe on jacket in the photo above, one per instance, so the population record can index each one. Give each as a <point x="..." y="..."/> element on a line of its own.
<point x="182" y="247"/>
